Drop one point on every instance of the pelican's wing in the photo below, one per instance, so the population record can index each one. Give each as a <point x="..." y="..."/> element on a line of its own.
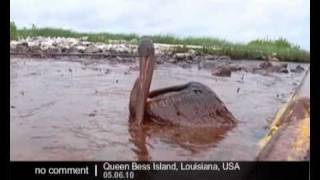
<point x="192" y="104"/>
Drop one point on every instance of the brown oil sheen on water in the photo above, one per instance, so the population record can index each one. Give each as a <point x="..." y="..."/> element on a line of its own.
<point x="63" y="110"/>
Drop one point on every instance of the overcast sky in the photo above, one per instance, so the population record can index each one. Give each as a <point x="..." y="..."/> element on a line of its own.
<point x="233" y="20"/>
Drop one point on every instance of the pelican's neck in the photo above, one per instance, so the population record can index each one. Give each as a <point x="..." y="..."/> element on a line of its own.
<point x="141" y="88"/>
<point x="133" y="101"/>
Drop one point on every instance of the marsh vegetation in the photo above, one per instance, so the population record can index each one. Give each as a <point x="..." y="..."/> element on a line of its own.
<point x="280" y="49"/>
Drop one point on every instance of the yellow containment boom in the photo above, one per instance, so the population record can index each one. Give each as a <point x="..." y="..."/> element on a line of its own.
<point x="289" y="135"/>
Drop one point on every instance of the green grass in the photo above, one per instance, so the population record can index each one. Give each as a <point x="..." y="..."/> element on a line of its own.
<point x="256" y="49"/>
<point x="13" y="31"/>
<point x="259" y="52"/>
<point x="56" y="32"/>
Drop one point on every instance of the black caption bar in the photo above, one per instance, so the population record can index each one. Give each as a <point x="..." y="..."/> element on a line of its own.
<point x="155" y="170"/>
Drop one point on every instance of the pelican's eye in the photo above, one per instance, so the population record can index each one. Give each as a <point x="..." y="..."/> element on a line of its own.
<point x="197" y="91"/>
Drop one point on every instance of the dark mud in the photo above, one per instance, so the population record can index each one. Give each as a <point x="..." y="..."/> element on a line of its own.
<point x="75" y="109"/>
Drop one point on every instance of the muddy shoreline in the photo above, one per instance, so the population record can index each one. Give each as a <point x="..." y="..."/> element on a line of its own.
<point x="124" y="52"/>
<point x="80" y="50"/>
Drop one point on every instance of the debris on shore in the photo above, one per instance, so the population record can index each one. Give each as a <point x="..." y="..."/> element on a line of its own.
<point x="126" y="52"/>
<point x="47" y="47"/>
<point x="298" y="69"/>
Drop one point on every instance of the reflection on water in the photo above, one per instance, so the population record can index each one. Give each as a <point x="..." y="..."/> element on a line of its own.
<point x="193" y="140"/>
<point x="62" y="110"/>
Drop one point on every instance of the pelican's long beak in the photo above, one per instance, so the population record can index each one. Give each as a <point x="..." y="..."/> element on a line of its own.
<point x="147" y="59"/>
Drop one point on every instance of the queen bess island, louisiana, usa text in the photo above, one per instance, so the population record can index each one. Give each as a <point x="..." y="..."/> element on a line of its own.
<point x="171" y="166"/>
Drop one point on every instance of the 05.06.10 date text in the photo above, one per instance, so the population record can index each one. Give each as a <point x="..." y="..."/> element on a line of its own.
<point x="118" y="174"/>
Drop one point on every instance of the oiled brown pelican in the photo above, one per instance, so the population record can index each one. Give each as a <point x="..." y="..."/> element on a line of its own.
<point x="191" y="104"/>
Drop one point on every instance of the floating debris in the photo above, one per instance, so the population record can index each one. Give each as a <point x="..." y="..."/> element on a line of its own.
<point x="298" y="69"/>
